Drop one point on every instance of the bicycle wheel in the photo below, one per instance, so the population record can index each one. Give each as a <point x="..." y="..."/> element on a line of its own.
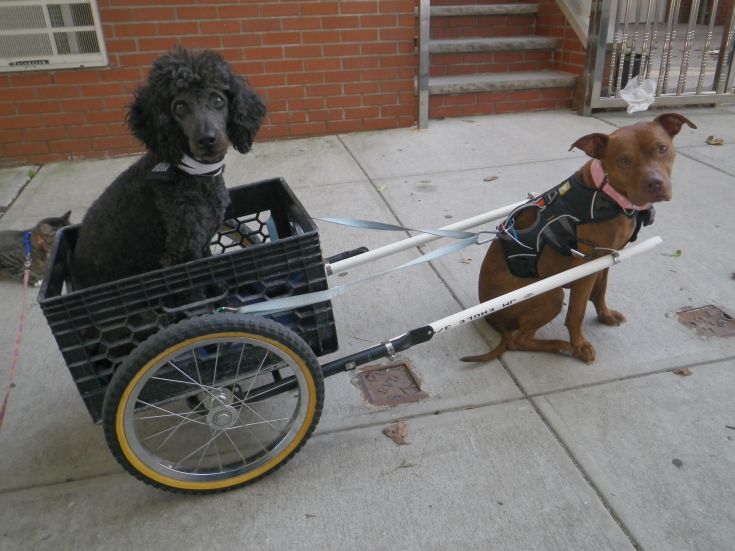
<point x="213" y="403"/>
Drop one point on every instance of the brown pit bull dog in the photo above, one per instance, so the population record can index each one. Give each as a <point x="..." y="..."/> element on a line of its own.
<point x="598" y="209"/>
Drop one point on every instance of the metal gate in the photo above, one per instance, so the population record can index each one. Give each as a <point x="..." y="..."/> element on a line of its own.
<point x="686" y="46"/>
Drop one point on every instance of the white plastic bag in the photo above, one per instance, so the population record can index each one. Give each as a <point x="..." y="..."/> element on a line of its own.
<point x="639" y="97"/>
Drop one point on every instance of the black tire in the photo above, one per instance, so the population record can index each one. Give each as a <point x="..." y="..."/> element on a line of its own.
<point x="166" y="424"/>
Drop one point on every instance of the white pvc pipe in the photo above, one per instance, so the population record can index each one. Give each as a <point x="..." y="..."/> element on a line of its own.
<point x="529" y="291"/>
<point x="418" y="240"/>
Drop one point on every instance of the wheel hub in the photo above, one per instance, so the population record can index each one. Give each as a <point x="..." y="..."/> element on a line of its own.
<point x="222" y="414"/>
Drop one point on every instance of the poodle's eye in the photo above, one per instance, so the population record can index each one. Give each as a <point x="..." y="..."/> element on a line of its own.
<point x="218" y="101"/>
<point x="180" y="108"/>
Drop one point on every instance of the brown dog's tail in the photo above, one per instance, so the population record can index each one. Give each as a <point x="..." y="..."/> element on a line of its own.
<point x="487" y="356"/>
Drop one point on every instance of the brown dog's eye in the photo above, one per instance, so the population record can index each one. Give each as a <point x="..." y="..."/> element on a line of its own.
<point x="624" y="162"/>
<point x="663" y="149"/>
<point x="179" y="108"/>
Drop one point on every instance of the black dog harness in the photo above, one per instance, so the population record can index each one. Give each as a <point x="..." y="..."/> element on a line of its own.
<point x="558" y="213"/>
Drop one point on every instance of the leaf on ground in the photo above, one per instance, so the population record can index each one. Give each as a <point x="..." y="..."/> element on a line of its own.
<point x="465" y="260"/>
<point x="676" y="253"/>
<point x="398" y="432"/>
<point x="677" y="463"/>
<point x="714" y="140"/>
<point x="490" y="179"/>
<point x="683" y="371"/>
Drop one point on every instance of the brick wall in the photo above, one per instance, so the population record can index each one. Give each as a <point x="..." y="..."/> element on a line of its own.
<point x="571" y="55"/>
<point x="321" y="66"/>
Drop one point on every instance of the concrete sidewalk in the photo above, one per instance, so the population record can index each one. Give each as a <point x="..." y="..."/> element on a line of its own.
<point x="535" y="451"/>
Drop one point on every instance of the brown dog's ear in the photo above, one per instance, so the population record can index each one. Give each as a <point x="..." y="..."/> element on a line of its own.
<point x="672" y="123"/>
<point x="592" y="144"/>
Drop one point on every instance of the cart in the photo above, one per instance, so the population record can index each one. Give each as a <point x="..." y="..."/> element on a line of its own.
<point x="195" y="396"/>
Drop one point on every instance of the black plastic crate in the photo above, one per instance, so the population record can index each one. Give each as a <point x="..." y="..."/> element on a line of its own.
<point x="267" y="248"/>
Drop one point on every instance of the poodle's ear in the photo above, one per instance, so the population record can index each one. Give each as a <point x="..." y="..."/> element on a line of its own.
<point x="246" y="114"/>
<point x="150" y="120"/>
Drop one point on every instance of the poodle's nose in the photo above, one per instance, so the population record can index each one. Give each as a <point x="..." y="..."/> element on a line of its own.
<point x="208" y="139"/>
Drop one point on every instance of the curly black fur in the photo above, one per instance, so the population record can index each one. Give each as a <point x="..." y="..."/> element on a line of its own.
<point x="141" y="223"/>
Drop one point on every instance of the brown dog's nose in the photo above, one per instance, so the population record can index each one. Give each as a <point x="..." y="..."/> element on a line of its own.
<point x="655" y="184"/>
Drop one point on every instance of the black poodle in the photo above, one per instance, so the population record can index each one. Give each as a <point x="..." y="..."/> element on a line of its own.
<point x="165" y="208"/>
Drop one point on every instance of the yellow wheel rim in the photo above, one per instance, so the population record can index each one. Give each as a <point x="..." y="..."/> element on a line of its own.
<point x="159" y="473"/>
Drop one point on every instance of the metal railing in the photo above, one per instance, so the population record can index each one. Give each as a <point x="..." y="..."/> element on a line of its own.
<point x="689" y="55"/>
<point x="423" y="77"/>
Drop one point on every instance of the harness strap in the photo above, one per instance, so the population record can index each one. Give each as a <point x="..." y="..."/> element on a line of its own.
<point x="297" y="301"/>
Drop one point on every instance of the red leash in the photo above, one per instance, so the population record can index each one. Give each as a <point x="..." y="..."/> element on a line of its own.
<point x="19" y="336"/>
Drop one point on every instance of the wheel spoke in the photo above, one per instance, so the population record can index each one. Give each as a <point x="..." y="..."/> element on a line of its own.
<point x="204" y="446"/>
<point x="200" y="385"/>
<point x="257" y="372"/>
<point x="172" y="413"/>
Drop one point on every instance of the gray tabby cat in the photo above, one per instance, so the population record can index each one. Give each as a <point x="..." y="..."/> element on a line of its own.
<point x="13" y="244"/>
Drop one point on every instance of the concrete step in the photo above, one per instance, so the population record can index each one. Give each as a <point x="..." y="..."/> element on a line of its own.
<point x="498" y="82"/>
<point x="475" y="10"/>
<point x="514" y="43"/>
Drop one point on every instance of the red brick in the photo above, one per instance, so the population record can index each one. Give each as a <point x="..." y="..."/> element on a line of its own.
<point x="304" y="78"/>
<point x="359" y="35"/>
<point x="308" y="128"/>
<point x="284" y="66"/>
<point x="241" y="40"/>
<point x="281" y="38"/>
<point x="36" y="107"/>
<point x="70" y="146"/>
<point x="301" y="23"/>
<point x="323" y="64"/>
<point x="341" y="22"/>
<point x="287" y="92"/>
<point x="197" y="12"/>
<point x="83" y="105"/>
<point x="320" y="37"/>
<point x="320" y="8"/>
<point x="343" y="126"/>
<point x="361" y="87"/>
<point x="87" y="131"/>
<point x="358" y="7"/>
<point x="179" y="29"/>
<point x="25" y="148"/>
<point x="344" y="101"/>
<point x="378" y="21"/>
<point x="60" y="119"/>
<point x="303" y="51"/>
<point x="216" y="27"/>
<point x="315" y="90"/>
<point x="306" y="104"/>
<point x="279" y="10"/>
<point x="135" y="30"/>
<point x="363" y="62"/>
<point x="236" y="11"/>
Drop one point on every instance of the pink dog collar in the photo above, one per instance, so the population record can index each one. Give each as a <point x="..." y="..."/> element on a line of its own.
<point x="600" y="179"/>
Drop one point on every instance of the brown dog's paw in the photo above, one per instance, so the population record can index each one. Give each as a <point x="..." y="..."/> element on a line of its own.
<point x="585" y="352"/>
<point x="611" y="317"/>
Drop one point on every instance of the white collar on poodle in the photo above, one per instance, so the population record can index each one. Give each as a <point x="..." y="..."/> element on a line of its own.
<point x="196" y="168"/>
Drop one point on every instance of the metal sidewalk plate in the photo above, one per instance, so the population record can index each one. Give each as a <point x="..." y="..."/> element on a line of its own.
<point x="390" y="384"/>
<point x="708" y="321"/>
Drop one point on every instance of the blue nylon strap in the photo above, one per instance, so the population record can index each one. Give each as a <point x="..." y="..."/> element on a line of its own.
<point x="288" y="303"/>
<point x="27" y="242"/>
